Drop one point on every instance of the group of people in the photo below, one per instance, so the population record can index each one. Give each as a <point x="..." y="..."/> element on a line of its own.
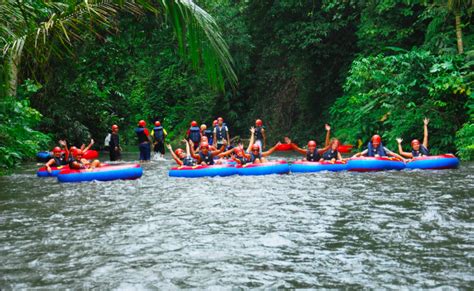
<point x="73" y="156"/>
<point x="205" y="146"/>
<point x="199" y="151"/>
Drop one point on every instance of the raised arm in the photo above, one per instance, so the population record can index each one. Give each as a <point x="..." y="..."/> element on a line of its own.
<point x="63" y="143"/>
<point x="193" y="153"/>
<point x="175" y="157"/>
<point x="252" y="139"/>
<point x="89" y="146"/>
<point x="328" y="134"/>
<point x="295" y="147"/>
<point x="400" y="149"/>
<point x="188" y="151"/>
<point x="270" y="151"/>
<point x="425" y="132"/>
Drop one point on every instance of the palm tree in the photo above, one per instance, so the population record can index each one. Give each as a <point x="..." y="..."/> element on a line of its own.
<point x="42" y="28"/>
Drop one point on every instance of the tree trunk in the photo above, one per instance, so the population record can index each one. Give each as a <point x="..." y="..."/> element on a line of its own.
<point x="12" y="63"/>
<point x="459" y="33"/>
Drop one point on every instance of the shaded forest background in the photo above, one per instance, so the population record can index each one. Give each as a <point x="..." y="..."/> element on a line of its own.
<point x="365" y="67"/>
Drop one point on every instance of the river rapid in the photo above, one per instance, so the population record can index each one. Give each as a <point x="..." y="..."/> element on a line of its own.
<point x="377" y="230"/>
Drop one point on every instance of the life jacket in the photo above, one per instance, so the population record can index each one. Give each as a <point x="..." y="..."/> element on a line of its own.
<point x="221" y="133"/>
<point x="208" y="159"/>
<point x="195" y="134"/>
<point x="208" y="133"/>
<point x="61" y="161"/>
<point x="243" y="160"/>
<point x="258" y="133"/>
<point x="142" y="137"/>
<point x="423" y="151"/>
<point x="158" y="133"/>
<point x="376" y="151"/>
<point x="313" y="156"/>
<point x="188" y="161"/>
<point x="254" y="157"/>
<point x="330" y="154"/>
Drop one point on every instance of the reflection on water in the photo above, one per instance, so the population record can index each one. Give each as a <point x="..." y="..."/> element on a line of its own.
<point x="387" y="229"/>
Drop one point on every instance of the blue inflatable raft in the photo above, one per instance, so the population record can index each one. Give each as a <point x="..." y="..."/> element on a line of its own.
<point x="370" y="164"/>
<point x="104" y="173"/>
<point x="278" y="167"/>
<point x="311" y="167"/>
<point x="203" y="171"/>
<point x="441" y="162"/>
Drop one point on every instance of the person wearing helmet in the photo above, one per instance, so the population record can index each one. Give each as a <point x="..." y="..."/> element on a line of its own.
<point x="260" y="137"/>
<point x="221" y="133"/>
<point x="159" y="134"/>
<point x="376" y="149"/>
<point x="207" y="133"/>
<point x="257" y="156"/>
<point x="332" y="154"/>
<point x="194" y="134"/>
<point x="181" y="157"/>
<point x="79" y="163"/>
<point x="312" y="154"/>
<point x="417" y="149"/>
<point x="144" y="141"/>
<point x="59" y="158"/>
<point x="205" y="155"/>
<point x="115" y="150"/>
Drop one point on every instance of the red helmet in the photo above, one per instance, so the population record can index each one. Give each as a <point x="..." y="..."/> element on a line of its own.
<point x="237" y="150"/>
<point x="311" y="143"/>
<point x="194" y="123"/>
<point x="414" y="142"/>
<point x="376" y="139"/>
<point x="157" y="123"/>
<point x="57" y="150"/>
<point x="258" y="122"/>
<point x="114" y="127"/>
<point x="178" y="152"/>
<point x="214" y="123"/>
<point x="204" y="145"/>
<point x="255" y="147"/>
<point x="220" y="119"/>
<point x="78" y="152"/>
<point x="142" y="123"/>
<point x="73" y="148"/>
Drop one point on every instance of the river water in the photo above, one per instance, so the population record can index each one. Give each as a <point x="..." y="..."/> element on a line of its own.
<point x="376" y="230"/>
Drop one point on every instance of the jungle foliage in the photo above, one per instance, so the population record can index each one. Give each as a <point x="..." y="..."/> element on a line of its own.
<point x="362" y="66"/>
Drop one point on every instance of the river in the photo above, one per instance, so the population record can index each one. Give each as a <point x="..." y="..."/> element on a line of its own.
<point x="375" y="230"/>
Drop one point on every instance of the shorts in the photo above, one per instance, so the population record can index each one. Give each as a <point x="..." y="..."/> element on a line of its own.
<point x="144" y="151"/>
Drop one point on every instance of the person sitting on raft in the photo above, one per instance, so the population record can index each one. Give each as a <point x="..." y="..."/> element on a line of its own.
<point x="79" y="163"/>
<point x="159" y="134"/>
<point x="256" y="155"/>
<point x="59" y="159"/>
<point x="205" y="155"/>
<point x="194" y="134"/>
<point x="182" y="158"/>
<point x="376" y="149"/>
<point x="332" y="154"/>
<point x="312" y="153"/>
<point x="260" y="137"/>
<point x="221" y="133"/>
<point x="240" y="156"/>
<point x="418" y="150"/>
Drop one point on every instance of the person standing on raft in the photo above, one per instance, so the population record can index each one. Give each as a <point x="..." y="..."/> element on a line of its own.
<point x="376" y="149"/>
<point x="144" y="141"/>
<point x="312" y="153"/>
<point x="115" y="150"/>
<point x="221" y="133"/>
<point x="260" y="137"/>
<point x="59" y="159"/>
<point x="418" y="150"/>
<point x="159" y="134"/>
